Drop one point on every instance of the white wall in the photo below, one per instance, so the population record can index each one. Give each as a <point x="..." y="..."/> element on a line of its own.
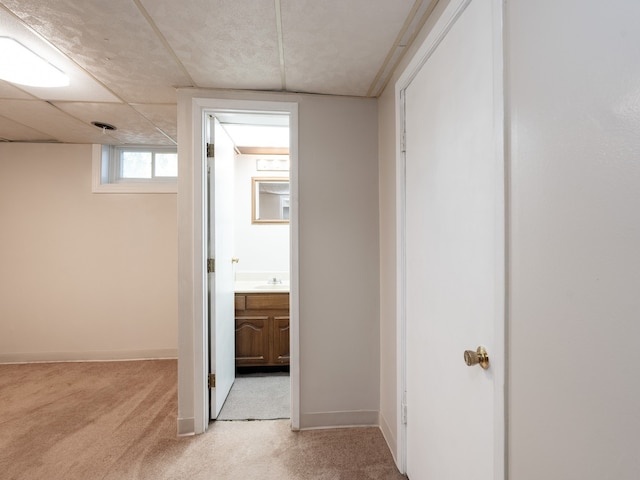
<point x="260" y="247"/>
<point x="574" y="387"/>
<point x="388" y="279"/>
<point x="338" y="259"/>
<point x="84" y="276"/>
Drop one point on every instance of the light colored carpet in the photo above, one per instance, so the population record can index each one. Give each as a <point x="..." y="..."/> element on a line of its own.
<point x="117" y="421"/>
<point x="258" y="397"/>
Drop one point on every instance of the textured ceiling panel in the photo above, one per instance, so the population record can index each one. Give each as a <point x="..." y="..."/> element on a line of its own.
<point x="111" y="39"/>
<point x="54" y="123"/>
<point x="338" y="46"/>
<point x="81" y="88"/>
<point x="165" y="117"/>
<point x="16" y="132"/>
<point x="132" y="128"/>
<point x="222" y="43"/>
<point x="82" y="85"/>
<point x="136" y="52"/>
<point x="9" y="91"/>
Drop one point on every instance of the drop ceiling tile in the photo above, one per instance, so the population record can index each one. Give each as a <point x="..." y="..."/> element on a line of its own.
<point x="132" y="127"/>
<point x="165" y="117"/>
<point x="16" y="132"/>
<point x="7" y="90"/>
<point x="223" y="43"/>
<point x="56" y="124"/>
<point x="112" y="40"/>
<point x="82" y="85"/>
<point x="338" y="46"/>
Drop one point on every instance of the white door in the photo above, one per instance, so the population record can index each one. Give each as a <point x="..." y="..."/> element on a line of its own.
<point x="454" y="255"/>
<point x="220" y="286"/>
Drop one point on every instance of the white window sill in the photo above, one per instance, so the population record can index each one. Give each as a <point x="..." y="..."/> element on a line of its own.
<point x="135" y="188"/>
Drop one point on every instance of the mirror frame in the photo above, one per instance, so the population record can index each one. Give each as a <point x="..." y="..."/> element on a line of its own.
<point x="254" y="199"/>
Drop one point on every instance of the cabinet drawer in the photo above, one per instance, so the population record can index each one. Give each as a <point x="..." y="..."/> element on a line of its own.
<point x="240" y="302"/>
<point x="266" y="301"/>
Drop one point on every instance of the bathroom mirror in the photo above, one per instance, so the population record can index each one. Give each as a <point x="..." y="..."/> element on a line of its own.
<point x="270" y="200"/>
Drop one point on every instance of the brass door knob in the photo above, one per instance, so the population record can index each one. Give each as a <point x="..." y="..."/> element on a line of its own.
<point x="479" y="357"/>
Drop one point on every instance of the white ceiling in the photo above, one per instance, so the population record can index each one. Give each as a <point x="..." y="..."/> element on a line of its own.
<point x="126" y="57"/>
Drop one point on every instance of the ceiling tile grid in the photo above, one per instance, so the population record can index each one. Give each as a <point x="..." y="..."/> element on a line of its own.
<point x="48" y="119"/>
<point x="12" y="130"/>
<point x="126" y="57"/>
<point x="132" y="127"/>
<point x="164" y="117"/>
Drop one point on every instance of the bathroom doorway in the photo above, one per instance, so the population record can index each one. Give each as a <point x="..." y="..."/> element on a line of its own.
<point x="195" y="386"/>
<point x="261" y="264"/>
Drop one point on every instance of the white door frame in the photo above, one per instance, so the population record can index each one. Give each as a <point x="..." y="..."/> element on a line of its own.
<point x="193" y="398"/>
<point x="448" y="18"/>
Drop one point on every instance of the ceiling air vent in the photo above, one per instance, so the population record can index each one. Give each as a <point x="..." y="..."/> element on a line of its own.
<point x="104" y="126"/>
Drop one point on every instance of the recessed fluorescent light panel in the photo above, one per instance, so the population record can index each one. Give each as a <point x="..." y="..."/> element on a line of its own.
<point x="20" y="65"/>
<point x="258" y="135"/>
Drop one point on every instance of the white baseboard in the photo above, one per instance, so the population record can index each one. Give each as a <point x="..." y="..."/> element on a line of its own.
<point x="186" y="426"/>
<point x="355" y="418"/>
<point x="41" y="357"/>
<point x="392" y="443"/>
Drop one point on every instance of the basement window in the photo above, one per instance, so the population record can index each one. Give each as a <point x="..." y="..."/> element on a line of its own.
<point x="126" y="169"/>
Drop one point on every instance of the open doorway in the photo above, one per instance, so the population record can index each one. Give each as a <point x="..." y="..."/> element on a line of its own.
<point x="194" y="361"/>
<point x="261" y="264"/>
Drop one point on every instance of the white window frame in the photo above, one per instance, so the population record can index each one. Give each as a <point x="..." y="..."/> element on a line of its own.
<point x="106" y="168"/>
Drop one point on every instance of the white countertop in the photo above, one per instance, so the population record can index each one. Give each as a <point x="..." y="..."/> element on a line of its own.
<point x="250" y="286"/>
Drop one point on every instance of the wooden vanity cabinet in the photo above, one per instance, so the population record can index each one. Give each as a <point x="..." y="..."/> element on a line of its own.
<point x="262" y="329"/>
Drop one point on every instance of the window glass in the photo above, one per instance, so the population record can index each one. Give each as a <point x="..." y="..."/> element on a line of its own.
<point x="135" y="169"/>
<point x="166" y="164"/>
<point x="136" y="164"/>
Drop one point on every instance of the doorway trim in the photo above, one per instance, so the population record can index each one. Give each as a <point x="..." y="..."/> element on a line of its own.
<point x="445" y="22"/>
<point x="193" y="398"/>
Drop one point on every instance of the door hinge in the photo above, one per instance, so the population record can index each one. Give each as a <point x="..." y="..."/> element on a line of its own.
<point x="211" y="381"/>
<point x="210" y="150"/>
<point x="404" y="414"/>
<point x="403" y="142"/>
<point x="211" y="265"/>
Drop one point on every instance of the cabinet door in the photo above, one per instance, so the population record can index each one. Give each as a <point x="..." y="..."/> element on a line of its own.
<point x="281" y="340"/>
<point x="267" y="301"/>
<point x="252" y="340"/>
